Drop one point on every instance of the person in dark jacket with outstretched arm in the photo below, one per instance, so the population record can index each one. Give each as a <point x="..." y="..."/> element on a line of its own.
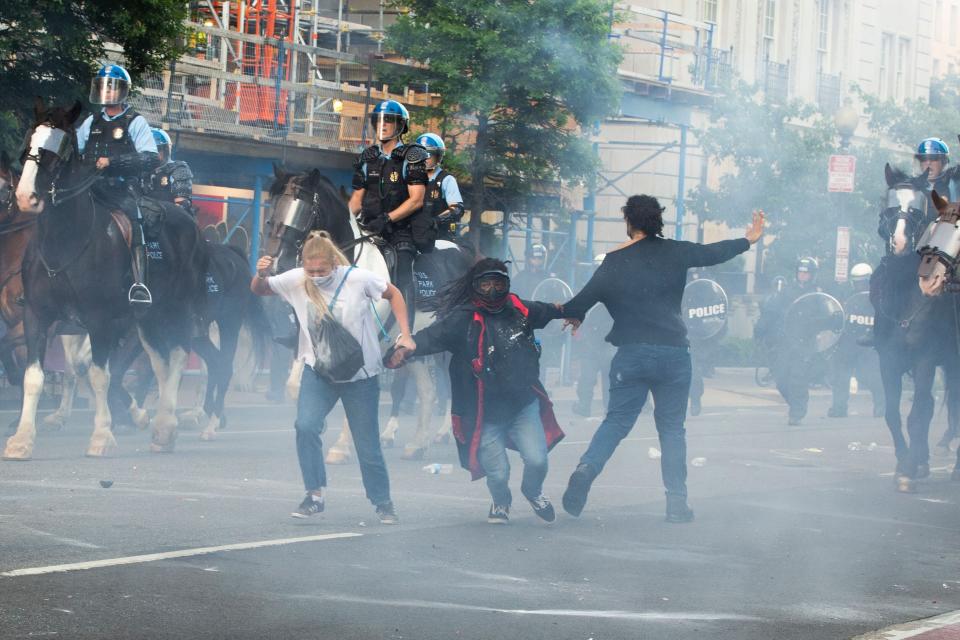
<point x="498" y="401"/>
<point x="641" y="284"/>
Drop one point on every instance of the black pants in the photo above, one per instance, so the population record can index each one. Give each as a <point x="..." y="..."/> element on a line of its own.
<point x="402" y="277"/>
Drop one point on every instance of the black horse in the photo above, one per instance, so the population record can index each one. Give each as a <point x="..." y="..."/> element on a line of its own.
<point x="77" y="268"/>
<point x="914" y="333"/>
<point x="230" y="305"/>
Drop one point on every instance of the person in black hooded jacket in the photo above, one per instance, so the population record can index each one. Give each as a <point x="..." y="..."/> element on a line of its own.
<point x="498" y="401"/>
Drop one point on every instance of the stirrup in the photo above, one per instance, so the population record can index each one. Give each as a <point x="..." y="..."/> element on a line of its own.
<point x="136" y="294"/>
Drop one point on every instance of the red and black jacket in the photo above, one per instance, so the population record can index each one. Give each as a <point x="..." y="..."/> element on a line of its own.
<point x="464" y="333"/>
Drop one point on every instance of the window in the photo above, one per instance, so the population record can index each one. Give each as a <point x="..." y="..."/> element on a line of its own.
<point x="769" y="28"/>
<point x="938" y="22"/>
<point x="886" y="53"/>
<point x="710" y="11"/>
<point x="823" y="34"/>
<point x="952" y="25"/>
<point x="901" y="79"/>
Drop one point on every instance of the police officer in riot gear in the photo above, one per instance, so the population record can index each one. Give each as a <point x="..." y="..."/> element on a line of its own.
<point x="533" y="273"/>
<point x="933" y="155"/>
<point x="792" y="370"/>
<point x="443" y="200"/>
<point x="118" y="142"/>
<point x="593" y="353"/>
<point x="850" y="358"/>
<point x="389" y="185"/>
<point x="172" y="181"/>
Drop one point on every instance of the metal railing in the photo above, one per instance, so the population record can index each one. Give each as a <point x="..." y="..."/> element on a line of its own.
<point x="776" y="81"/>
<point x="829" y="92"/>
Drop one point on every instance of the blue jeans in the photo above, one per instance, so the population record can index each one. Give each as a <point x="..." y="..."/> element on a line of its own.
<point x="526" y="433"/>
<point x="361" y="403"/>
<point x="663" y="371"/>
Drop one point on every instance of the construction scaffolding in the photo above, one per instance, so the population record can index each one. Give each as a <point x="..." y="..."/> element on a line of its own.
<point x="297" y="72"/>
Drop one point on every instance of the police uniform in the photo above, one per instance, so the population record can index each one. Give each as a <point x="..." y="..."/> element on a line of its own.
<point x="442" y="193"/>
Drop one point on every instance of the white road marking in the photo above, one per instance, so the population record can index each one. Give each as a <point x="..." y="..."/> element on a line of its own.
<point x="653" y="616"/>
<point x="73" y="542"/>
<point x="167" y="555"/>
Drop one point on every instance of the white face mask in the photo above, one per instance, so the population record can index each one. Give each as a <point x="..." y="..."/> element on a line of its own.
<point x="323" y="281"/>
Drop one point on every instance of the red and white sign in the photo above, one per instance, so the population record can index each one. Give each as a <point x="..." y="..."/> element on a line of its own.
<point x="841" y="172"/>
<point x="843" y="254"/>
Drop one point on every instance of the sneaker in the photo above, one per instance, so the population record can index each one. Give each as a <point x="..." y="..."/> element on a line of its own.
<point x="575" y="497"/>
<point x="678" y="511"/>
<point x="543" y="508"/>
<point x="499" y="514"/>
<point x="310" y="506"/>
<point x="387" y="513"/>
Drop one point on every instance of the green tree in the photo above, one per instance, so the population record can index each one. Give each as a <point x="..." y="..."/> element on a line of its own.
<point x="517" y="78"/>
<point x="50" y="48"/>
<point x="780" y="153"/>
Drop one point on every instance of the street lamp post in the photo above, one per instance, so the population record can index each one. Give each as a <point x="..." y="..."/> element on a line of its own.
<point x="846" y="119"/>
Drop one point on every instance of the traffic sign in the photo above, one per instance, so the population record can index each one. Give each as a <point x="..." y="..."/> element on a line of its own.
<point x="841" y="171"/>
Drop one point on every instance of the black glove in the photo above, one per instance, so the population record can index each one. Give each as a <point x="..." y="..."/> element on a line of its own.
<point x="378" y="225"/>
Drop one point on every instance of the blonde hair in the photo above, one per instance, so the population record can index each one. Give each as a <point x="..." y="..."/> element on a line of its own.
<point x="320" y="245"/>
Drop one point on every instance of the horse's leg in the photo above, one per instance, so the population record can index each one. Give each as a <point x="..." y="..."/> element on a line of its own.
<point x="124" y="407"/>
<point x="891" y="374"/>
<point x="14" y="370"/>
<point x="210" y="357"/>
<point x="427" y="395"/>
<point x="102" y="441"/>
<point x="77" y="358"/>
<point x="220" y="379"/>
<point x="443" y="401"/>
<point x="918" y="424"/>
<point x="20" y="444"/>
<point x="168" y="371"/>
<point x="398" y="390"/>
<point x="951" y="390"/>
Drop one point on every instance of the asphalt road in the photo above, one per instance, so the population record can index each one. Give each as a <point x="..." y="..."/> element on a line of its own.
<point x="796" y="536"/>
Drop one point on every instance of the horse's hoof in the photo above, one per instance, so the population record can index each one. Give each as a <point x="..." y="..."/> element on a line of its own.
<point x="100" y="450"/>
<point x="335" y="456"/>
<point x="208" y="436"/>
<point x="18" y="450"/>
<point x="163" y="447"/>
<point x="140" y="418"/>
<point x="905" y="484"/>
<point x="413" y="454"/>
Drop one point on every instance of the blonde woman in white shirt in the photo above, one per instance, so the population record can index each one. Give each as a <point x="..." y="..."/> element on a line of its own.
<point x="309" y="291"/>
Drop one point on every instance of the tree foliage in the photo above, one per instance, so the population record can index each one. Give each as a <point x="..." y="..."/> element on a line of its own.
<point x="50" y="48"/>
<point x="518" y="80"/>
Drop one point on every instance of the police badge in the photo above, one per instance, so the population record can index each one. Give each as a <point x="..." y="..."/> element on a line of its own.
<point x="394" y="176"/>
<point x="164" y="181"/>
<point x="118" y="133"/>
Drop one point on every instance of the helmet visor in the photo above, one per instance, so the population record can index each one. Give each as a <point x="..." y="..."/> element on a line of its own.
<point x="927" y="157"/>
<point x="108" y="91"/>
<point x="386" y="126"/>
<point x="491" y="284"/>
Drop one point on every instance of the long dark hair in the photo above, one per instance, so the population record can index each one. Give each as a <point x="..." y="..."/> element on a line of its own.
<point x="460" y="292"/>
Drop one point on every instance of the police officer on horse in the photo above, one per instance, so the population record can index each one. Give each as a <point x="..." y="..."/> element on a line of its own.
<point x="117" y="141"/>
<point x="933" y="155"/>
<point x="172" y="181"/>
<point x="389" y="184"/>
<point x="443" y="201"/>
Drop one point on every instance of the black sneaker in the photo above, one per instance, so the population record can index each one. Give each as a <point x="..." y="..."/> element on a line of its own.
<point x="499" y="514"/>
<point x="309" y="507"/>
<point x="387" y="513"/>
<point x="543" y="508"/>
<point x="678" y="511"/>
<point x="575" y="497"/>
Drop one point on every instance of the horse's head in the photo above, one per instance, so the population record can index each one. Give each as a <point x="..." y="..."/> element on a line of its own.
<point x="302" y="203"/>
<point x="50" y="145"/>
<point x="905" y="215"/>
<point x="939" y="248"/>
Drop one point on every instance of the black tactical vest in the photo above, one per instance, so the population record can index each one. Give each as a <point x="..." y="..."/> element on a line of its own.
<point x="109" y="139"/>
<point x="385" y="188"/>
<point x="433" y="201"/>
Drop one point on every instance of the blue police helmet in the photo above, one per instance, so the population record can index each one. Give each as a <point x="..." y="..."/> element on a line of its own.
<point x="433" y="144"/>
<point x="110" y="86"/>
<point x="391" y="110"/>
<point x="933" y="149"/>
<point x="163" y="141"/>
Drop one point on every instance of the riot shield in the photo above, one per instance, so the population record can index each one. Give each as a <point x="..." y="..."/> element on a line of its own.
<point x="704" y="310"/>
<point x="813" y="323"/>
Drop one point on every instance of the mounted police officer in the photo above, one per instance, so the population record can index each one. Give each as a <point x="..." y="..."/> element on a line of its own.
<point x="443" y="201"/>
<point x="118" y="142"/>
<point x="933" y="155"/>
<point x="172" y="181"/>
<point x="851" y="359"/>
<point x="389" y="184"/>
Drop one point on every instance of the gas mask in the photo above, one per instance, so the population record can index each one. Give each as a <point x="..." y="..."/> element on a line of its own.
<point x="490" y="290"/>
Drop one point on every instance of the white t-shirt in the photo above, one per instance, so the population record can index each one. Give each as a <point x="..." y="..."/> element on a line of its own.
<point x="352" y="309"/>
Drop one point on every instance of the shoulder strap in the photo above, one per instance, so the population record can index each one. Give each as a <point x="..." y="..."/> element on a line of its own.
<point x="340" y="288"/>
